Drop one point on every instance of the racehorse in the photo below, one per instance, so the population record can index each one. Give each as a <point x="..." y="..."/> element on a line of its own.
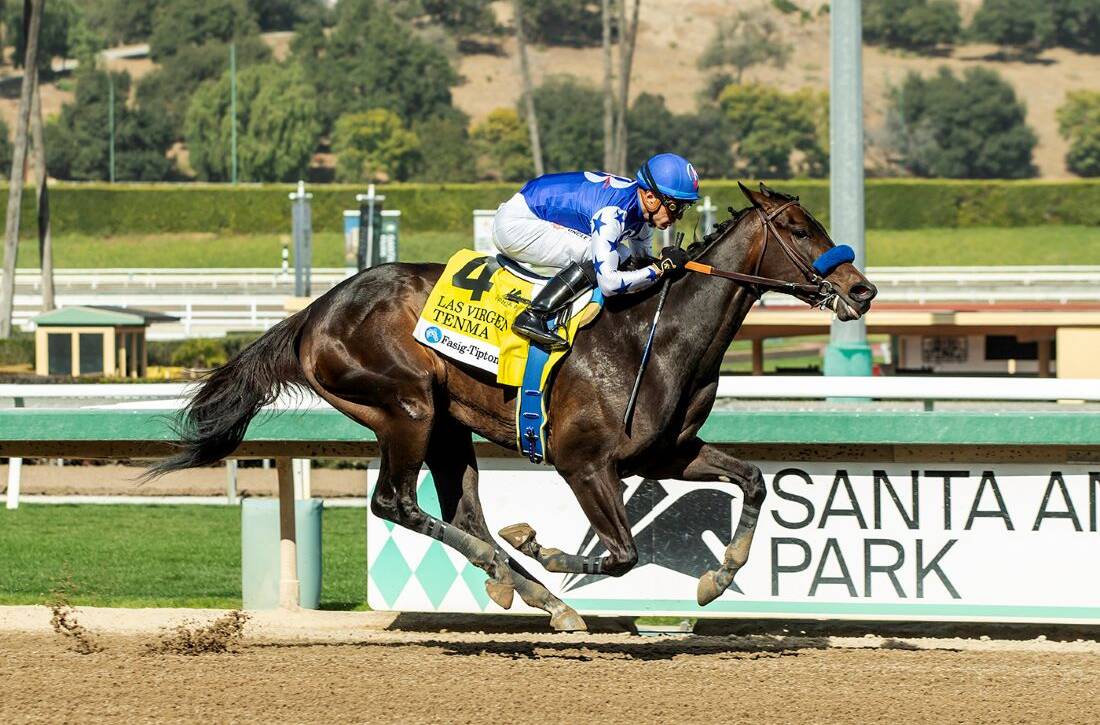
<point x="354" y="348"/>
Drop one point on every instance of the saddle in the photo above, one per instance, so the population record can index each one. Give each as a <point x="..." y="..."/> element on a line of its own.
<point x="468" y="317"/>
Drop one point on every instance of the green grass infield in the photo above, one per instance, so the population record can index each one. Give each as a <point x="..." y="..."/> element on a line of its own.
<point x="156" y="556"/>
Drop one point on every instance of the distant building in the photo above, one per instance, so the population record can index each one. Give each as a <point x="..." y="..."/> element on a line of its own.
<point x="93" y="340"/>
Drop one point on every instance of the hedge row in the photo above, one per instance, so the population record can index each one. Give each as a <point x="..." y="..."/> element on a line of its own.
<point x="102" y="209"/>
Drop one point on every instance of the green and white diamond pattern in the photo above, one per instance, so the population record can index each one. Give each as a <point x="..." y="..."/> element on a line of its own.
<point x="411" y="572"/>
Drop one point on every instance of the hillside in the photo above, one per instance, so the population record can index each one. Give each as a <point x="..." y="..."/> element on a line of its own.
<point x="669" y="44"/>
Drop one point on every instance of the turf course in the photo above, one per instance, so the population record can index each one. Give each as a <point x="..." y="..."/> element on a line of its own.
<point x="972" y="246"/>
<point x="156" y="556"/>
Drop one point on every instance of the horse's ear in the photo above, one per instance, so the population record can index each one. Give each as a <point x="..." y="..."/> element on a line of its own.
<point x="768" y="193"/>
<point x="749" y="194"/>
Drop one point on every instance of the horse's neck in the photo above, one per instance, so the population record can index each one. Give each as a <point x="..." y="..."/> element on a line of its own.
<point x="711" y="309"/>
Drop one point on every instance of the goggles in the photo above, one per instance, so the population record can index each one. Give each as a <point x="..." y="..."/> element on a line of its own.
<point x="676" y="207"/>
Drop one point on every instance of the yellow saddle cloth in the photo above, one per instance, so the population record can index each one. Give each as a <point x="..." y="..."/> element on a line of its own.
<point x="469" y="313"/>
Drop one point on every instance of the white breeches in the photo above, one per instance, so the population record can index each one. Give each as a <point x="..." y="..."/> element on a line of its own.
<point x="544" y="246"/>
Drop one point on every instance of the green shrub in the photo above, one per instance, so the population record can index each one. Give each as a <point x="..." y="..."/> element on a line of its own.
<point x="918" y="25"/>
<point x="17" y="350"/>
<point x="200" y="352"/>
<point x="1079" y="123"/>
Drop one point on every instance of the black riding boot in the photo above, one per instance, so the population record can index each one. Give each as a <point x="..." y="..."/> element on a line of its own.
<point x="562" y="289"/>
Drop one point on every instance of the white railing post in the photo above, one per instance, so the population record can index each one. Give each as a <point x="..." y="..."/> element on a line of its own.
<point x="231" y="481"/>
<point x="15" y="469"/>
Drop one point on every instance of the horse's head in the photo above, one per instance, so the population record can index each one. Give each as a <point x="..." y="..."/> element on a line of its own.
<point x="792" y="246"/>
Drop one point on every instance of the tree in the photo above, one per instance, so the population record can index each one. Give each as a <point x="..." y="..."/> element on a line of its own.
<point x="528" y="96"/>
<point x="774" y="134"/>
<point x="563" y="22"/>
<point x="450" y="156"/>
<point x="167" y="90"/>
<point x="569" y="127"/>
<point x="1078" y="24"/>
<point x="918" y="25"/>
<point x="503" y="145"/>
<point x="277" y="125"/>
<point x="181" y="23"/>
<point x="628" y="34"/>
<point x="459" y="17"/>
<point x="373" y="60"/>
<point x="121" y="21"/>
<point x="374" y="146"/>
<point x="78" y="142"/>
<point x="1023" y="24"/>
<point x="969" y="127"/>
<point x="706" y="142"/>
<point x="743" y="40"/>
<point x="284" y="14"/>
<point x="1079" y="123"/>
<point x="53" y="39"/>
<point x="700" y="137"/>
<point x="15" y="188"/>
<point x="1031" y="27"/>
<point x="5" y="148"/>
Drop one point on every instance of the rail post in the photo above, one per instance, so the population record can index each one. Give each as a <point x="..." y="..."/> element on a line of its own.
<point x="288" y="541"/>
<point x="302" y="230"/>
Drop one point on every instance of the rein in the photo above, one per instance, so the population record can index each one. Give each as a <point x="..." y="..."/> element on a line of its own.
<point x="814" y="286"/>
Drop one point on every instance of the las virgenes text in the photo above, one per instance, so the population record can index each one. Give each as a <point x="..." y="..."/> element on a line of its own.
<point x="954" y="500"/>
<point x="468" y="318"/>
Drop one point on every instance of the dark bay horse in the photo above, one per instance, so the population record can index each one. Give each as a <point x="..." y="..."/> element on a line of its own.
<point x="354" y="347"/>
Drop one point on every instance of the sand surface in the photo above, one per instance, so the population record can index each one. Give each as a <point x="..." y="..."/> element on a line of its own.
<point x="371" y="667"/>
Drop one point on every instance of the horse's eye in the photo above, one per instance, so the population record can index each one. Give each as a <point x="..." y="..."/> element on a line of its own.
<point x="801" y="233"/>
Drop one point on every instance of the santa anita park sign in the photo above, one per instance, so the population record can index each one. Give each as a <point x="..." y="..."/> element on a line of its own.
<point x="842" y="539"/>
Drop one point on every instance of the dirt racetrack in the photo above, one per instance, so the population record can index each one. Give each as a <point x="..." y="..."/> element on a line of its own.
<point x="354" y="667"/>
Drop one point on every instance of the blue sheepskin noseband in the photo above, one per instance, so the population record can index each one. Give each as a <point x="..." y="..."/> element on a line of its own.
<point x="826" y="263"/>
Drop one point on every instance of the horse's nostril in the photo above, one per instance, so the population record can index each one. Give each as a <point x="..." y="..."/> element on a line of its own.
<point x="863" y="292"/>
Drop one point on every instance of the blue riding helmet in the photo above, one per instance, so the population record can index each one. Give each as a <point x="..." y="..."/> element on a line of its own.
<point x="673" y="175"/>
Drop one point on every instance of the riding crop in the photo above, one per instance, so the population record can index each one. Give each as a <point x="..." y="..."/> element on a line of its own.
<point x="648" y="347"/>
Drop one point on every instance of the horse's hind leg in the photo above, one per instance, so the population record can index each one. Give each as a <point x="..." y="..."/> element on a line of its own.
<point x="453" y="465"/>
<point x="598" y="492"/>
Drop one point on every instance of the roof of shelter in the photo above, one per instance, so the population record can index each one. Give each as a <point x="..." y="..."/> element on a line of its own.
<point x="99" y="316"/>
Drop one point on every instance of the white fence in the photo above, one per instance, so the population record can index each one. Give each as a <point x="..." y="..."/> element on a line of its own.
<point x="212" y="301"/>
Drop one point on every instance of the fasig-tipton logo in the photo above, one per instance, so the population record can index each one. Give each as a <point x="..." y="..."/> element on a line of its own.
<point x="433" y="335"/>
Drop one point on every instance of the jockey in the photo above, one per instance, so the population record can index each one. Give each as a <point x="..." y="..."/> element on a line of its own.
<point x="588" y="225"/>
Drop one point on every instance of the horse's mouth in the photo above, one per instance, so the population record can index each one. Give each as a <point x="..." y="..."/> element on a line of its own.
<point x="844" y="309"/>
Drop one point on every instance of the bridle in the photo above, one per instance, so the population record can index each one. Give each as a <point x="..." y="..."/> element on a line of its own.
<point x="816" y="291"/>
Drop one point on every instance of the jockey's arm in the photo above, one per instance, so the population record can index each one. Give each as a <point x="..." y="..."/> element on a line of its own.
<point x="608" y="236"/>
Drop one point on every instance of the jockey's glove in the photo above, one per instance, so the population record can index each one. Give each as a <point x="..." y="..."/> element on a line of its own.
<point x="672" y="261"/>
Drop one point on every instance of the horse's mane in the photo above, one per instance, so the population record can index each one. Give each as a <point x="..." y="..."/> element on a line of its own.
<point x="719" y="229"/>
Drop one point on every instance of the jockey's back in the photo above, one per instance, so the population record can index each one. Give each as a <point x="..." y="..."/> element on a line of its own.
<point x="572" y="199"/>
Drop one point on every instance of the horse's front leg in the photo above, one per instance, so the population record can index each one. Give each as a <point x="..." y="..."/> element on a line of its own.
<point x="695" y="460"/>
<point x="597" y="488"/>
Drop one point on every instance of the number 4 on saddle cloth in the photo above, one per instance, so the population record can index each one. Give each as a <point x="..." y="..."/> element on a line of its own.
<point x="468" y="317"/>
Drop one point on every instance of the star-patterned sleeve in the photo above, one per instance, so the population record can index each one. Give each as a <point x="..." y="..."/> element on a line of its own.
<point x="609" y="248"/>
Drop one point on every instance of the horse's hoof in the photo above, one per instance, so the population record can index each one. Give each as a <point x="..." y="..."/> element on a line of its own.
<point x="568" y="621"/>
<point x="517" y="534"/>
<point x="500" y="593"/>
<point x="708" y="589"/>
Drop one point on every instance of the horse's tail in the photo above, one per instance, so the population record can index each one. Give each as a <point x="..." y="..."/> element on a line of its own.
<point x="214" y="423"/>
